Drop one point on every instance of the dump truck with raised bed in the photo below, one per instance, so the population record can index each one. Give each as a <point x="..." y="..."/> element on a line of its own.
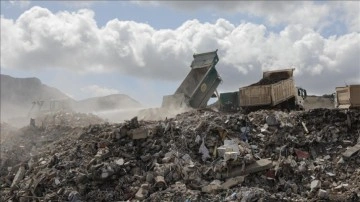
<point x="347" y="97"/>
<point x="199" y="85"/>
<point x="275" y="90"/>
<point x="196" y="89"/>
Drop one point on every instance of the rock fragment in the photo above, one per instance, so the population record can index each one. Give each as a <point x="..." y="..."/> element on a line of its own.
<point x="315" y="184"/>
<point x="323" y="194"/>
<point x="19" y="176"/>
<point x="138" y="133"/>
<point x="350" y="151"/>
<point x="229" y="183"/>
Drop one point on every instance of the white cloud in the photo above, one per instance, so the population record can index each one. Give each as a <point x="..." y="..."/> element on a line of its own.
<point x="95" y="90"/>
<point x="41" y="39"/>
<point x="314" y="14"/>
<point x="274" y="12"/>
<point x="350" y="14"/>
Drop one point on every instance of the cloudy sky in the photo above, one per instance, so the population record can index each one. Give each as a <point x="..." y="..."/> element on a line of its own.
<point x="144" y="48"/>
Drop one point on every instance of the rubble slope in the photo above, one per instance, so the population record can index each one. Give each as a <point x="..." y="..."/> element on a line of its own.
<point x="198" y="156"/>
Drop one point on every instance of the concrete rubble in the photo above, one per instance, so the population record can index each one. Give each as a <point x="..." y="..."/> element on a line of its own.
<point x="200" y="155"/>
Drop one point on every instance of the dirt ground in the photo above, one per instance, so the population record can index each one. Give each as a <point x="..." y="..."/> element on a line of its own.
<point x="313" y="102"/>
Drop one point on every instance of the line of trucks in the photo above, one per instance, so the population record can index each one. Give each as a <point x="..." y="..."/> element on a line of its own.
<point x="276" y="89"/>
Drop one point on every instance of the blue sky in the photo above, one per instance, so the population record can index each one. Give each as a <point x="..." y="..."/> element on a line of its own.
<point x="147" y="51"/>
<point x="156" y="16"/>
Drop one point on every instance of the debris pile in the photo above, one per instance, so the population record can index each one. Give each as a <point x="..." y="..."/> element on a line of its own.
<point x="272" y="78"/>
<point x="6" y="130"/>
<point x="198" y="156"/>
<point x="20" y="145"/>
<point x="72" y="119"/>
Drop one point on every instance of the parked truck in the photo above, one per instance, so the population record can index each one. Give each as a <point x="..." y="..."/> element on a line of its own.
<point x="347" y="97"/>
<point x="275" y="90"/>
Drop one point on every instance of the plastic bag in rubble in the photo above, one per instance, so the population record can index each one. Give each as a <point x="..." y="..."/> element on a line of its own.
<point x="198" y="138"/>
<point x="245" y="133"/>
<point x="204" y="151"/>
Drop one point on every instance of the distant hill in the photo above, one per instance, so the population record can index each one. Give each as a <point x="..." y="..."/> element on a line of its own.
<point x="110" y="102"/>
<point x="17" y="95"/>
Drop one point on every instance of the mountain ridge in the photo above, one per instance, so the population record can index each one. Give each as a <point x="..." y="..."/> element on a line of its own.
<point x="18" y="94"/>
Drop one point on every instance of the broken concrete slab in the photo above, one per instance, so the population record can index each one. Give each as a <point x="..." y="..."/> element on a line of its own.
<point x="341" y="186"/>
<point x="229" y="183"/>
<point x="19" y="176"/>
<point x="140" y="194"/>
<point x="323" y="194"/>
<point x="139" y="133"/>
<point x="259" y="165"/>
<point x="315" y="184"/>
<point x="120" y="161"/>
<point x="212" y="187"/>
<point x="350" y="151"/>
<point x="57" y="181"/>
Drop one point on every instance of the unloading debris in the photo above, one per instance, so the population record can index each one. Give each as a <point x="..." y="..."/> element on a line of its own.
<point x="194" y="92"/>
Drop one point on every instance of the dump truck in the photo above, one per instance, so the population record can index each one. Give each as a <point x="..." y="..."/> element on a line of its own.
<point x="347" y="97"/>
<point x="195" y="90"/>
<point x="199" y="85"/>
<point x="275" y="90"/>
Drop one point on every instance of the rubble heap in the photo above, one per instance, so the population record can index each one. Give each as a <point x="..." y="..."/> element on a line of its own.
<point x="199" y="156"/>
<point x="6" y="130"/>
<point x="71" y="119"/>
<point x="273" y="78"/>
<point x="20" y="145"/>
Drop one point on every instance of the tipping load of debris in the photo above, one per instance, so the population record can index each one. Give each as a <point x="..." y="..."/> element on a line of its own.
<point x="197" y="156"/>
<point x="272" y="78"/>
